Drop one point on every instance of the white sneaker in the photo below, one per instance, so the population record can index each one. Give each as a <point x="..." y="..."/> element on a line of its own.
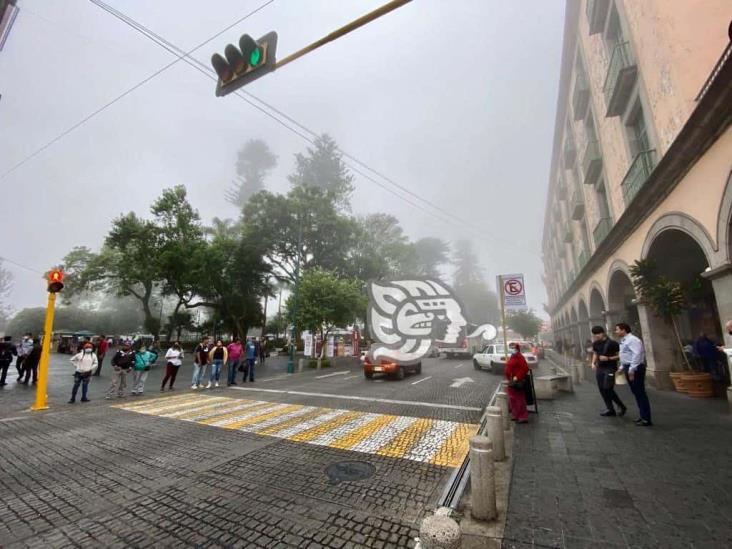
<point x="194" y="386"/>
<point x="217" y="384"/>
<point x="209" y="385"/>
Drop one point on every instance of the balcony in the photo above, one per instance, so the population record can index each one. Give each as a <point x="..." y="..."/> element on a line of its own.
<point x="621" y="75"/>
<point x="581" y="97"/>
<point x="596" y="11"/>
<point x="570" y="153"/>
<point x="592" y="163"/>
<point x="601" y="230"/>
<point x="567" y="236"/>
<point x="570" y="278"/>
<point x="577" y="206"/>
<point x="561" y="190"/>
<point x="638" y="173"/>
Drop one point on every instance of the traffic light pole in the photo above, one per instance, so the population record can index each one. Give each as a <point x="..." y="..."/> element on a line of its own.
<point x="42" y="386"/>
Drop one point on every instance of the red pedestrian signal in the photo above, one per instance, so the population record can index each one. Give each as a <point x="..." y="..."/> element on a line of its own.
<point x="55" y="281"/>
<point x="239" y="66"/>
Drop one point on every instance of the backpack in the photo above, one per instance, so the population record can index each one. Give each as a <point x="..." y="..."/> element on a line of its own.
<point x="6" y="355"/>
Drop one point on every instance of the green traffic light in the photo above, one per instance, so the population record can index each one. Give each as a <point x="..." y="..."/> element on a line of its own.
<point x="255" y="57"/>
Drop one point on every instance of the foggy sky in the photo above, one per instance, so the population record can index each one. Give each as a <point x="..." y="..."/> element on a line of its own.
<point x="452" y="99"/>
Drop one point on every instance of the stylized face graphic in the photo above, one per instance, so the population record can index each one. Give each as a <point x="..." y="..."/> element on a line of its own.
<point x="407" y="316"/>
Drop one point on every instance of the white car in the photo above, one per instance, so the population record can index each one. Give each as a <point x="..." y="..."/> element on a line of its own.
<point x="492" y="358"/>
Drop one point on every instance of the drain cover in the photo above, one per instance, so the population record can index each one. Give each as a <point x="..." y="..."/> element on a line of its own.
<point x="349" y="471"/>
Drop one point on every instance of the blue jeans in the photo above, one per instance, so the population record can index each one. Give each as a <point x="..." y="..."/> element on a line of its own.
<point x="249" y="369"/>
<point x="216" y="369"/>
<point x="197" y="373"/>
<point x="638" y="388"/>
<point x="233" y="367"/>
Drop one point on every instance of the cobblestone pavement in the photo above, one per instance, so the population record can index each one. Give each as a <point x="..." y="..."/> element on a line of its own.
<point x="585" y="481"/>
<point x="97" y="475"/>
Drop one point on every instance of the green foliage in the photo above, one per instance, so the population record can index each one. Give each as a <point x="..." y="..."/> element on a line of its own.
<point x="254" y="161"/>
<point x="325" y="363"/>
<point x="430" y="254"/>
<point x="123" y="321"/>
<point x="479" y="302"/>
<point x="326" y="302"/>
<point x="525" y="323"/>
<point x="664" y="296"/>
<point x="6" y="284"/>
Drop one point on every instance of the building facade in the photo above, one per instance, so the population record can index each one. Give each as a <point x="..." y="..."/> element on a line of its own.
<point x="641" y="169"/>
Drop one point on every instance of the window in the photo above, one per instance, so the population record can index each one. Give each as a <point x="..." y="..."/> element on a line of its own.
<point x="602" y="201"/>
<point x="613" y="33"/>
<point x="590" y="128"/>
<point x="637" y="131"/>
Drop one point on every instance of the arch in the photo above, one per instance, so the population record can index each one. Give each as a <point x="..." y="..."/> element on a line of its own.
<point x="681" y="222"/>
<point x="621" y="299"/>
<point x="598" y="305"/>
<point x="724" y="223"/>
<point x="616" y="266"/>
<point x="584" y="322"/>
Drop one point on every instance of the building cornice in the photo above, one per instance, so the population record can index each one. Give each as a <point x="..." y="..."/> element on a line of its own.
<point x="709" y="119"/>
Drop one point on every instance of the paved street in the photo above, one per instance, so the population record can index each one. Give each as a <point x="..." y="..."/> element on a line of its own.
<point x="236" y="467"/>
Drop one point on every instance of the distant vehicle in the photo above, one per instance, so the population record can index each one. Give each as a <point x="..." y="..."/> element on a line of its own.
<point x="492" y="358"/>
<point x="460" y="349"/>
<point x="388" y="368"/>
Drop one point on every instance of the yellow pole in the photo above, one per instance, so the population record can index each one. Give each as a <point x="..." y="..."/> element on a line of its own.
<point x="41" y="388"/>
<point x="503" y="317"/>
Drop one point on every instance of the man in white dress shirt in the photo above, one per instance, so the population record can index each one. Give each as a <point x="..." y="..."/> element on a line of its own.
<point x="632" y="358"/>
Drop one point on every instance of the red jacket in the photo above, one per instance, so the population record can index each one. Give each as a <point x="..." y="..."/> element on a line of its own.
<point x="516" y="367"/>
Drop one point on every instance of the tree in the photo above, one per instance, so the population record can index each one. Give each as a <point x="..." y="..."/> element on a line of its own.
<point x="381" y="249"/>
<point x="479" y="302"/>
<point x="254" y="161"/>
<point x="6" y="284"/>
<point x="323" y="168"/>
<point x="525" y="323"/>
<point x="430" y="254"/>
<point x="325" y="302"/>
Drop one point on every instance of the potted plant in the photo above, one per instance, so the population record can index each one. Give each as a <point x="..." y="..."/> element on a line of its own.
<point x="667" y="299"/>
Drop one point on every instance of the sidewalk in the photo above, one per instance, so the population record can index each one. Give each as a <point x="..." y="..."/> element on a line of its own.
<point x="581" y="480"/>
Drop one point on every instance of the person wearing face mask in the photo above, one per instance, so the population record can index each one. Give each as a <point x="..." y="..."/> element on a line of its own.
<point x="217" y="357"/>
<point x="24" y="348"/>
<point x="30" y="363"/>
<point x="516" y="373"/>
<point x="85" y="363"/>
<point x="173" y="360"/>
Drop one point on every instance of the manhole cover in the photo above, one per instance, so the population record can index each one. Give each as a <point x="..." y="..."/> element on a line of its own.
<point x="348" y="471"/>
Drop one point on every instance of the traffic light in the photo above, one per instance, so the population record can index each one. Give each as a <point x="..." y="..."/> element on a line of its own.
<point x="55" y="281"/>
<point x="239" y="66"/>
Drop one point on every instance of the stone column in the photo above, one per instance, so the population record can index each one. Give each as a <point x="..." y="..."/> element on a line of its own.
<point x="721" y="279"/>
<point x="662" y="349"/>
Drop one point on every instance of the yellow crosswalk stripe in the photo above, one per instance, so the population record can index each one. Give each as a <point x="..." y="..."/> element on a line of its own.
<point x="262" y="417"/>
<point x="167" y="406"/>
<point x="324" y="428"/>
<point x="274" y="429"/>
<point x="370" y="429"/>
<point x="132" y="406"/>
<point x="407" y="439"/>
<point x="224" y="415"/>
<point x="198" y="409"/>
<point x="454" y="448"/>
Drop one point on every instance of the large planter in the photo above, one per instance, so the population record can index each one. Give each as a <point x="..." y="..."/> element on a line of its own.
<point x="678" y="380"/>
<point x="698" y="384"/>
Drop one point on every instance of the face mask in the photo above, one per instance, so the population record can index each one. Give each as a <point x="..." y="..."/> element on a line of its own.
<point x="87" y="351"/>
<point x="514" y="351"/>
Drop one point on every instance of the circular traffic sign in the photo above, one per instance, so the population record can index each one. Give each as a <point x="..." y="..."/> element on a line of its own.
<point x="513" y="286"/>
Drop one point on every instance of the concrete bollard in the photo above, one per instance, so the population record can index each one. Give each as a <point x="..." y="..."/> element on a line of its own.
<point x="439" y="532"/>
<point x="482" y="479"/>
<point x="502" y="403"/>
<point x="300" y="364"/>
<point x="495" y="432"/>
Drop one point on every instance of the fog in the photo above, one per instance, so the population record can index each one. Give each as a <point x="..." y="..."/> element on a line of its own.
<point x="452" y="100"/>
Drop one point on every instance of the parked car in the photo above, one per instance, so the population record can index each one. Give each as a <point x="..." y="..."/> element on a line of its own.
<point x="388" y="368"/>
<point x="492" y="358"/>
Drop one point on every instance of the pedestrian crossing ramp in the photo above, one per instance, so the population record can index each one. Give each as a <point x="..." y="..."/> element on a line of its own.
<point x="418" y="439"/>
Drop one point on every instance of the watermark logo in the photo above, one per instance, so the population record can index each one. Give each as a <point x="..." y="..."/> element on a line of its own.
<point x="406" y="318"/>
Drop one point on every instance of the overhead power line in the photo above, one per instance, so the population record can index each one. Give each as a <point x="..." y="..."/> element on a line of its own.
<point x="300" y="129"/>
<point x="126" y="93"/>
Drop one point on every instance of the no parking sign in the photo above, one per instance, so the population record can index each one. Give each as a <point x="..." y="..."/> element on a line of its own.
<point x="513" y="292"/>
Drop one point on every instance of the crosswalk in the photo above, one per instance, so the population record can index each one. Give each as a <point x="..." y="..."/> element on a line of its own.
<point x="419" y="439"/>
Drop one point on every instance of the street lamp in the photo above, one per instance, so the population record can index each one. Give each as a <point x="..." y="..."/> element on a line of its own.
<point x="293" y="346"/>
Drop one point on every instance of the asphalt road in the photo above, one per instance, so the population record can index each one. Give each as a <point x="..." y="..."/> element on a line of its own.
<point x="317" y="459"/>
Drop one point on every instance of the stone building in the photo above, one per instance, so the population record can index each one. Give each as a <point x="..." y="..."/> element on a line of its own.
<point x="641" y="168"/>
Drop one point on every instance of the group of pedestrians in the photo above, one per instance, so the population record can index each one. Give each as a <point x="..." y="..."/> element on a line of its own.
<point x="209" y="359"/>
<point x="28" y="353"/>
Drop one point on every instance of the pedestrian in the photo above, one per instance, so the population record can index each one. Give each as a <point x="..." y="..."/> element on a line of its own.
<point x="123" y="362"/>
<point x="217" y="357"/>
<point x="144" y="358"/>
<point x="30" y="362"/>
<point x="7" y="352"/>
<point x="84" y="362"/>
<point x="516" y="373"/>
<point x="24" y="348"/>
<point x="235" y="349"/>
<point x="262" y="350"/>
<point x="605" y="363"/>
<point x="251" y="355"/>
<point x="706" y="350"/>
<point x="173" y="361"/>
<point x="102" y="347"/>
<point x="200" y="360"/>
<point x="633" y="363"/>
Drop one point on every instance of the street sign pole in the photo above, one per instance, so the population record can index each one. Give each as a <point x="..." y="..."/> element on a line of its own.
<point x="41" y="387"/>
<point x="293" y="341"/>
<point x="503" y="316"/>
